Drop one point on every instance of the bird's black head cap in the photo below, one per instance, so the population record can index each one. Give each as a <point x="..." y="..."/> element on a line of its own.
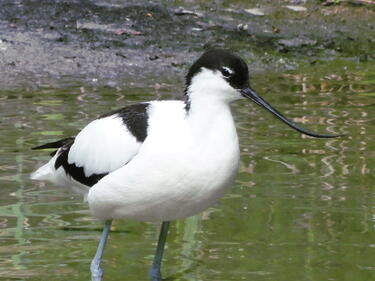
<point x="231" y="66"/>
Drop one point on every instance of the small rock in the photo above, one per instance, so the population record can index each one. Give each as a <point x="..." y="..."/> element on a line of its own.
<point x="275" y="29"/>
<point x="242" y="27"/>
<point x="297" y="42"/>
<point x="3" y="45"/>
<point x="128" y="31"/>
<point x="181" y="12"/>
<point x="255" y="12"/>
<point x="296" y="8"/>
<point x="51" y="35"/>
<point x="330" y="2"/>
<point x="153" y="57"/>
<point x="118" y="30"/>
<point x="297" y="2"/>
<point x="119" y="54"/>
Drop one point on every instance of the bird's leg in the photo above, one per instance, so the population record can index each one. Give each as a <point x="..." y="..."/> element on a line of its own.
<point x="155" y="273"/>
<point x="96" y="271"/>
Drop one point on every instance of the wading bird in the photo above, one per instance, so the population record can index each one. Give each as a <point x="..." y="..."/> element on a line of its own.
<point x="160" y="161"/>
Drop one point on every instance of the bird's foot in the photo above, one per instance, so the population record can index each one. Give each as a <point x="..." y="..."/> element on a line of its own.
<point x="96" y="271"/>
<point x="155" y="274"/>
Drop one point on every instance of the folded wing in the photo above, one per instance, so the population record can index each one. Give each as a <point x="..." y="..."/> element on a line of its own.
<point x="103" y="146"/>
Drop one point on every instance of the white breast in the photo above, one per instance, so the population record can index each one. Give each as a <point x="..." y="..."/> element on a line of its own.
<point x="177" y="172"/>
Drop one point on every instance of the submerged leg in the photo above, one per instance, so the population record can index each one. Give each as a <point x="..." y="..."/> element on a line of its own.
<point x="96" y="271"/>
<point x="155" y="273"/>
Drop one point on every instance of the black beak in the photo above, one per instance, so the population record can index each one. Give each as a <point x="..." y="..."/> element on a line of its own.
<point x="252" y="95"/>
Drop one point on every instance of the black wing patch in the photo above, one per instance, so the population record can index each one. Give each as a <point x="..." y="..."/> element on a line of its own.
<point x="72" y="170"/>
<point x="56" y="144"/>
<point x="135" y="118"/>
<point x="75" y="172"/>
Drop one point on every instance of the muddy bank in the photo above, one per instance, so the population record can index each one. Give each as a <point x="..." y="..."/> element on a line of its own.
<point x="114" y="42"/>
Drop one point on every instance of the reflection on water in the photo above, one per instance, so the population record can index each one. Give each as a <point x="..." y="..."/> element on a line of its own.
<point x="301" y="209"/>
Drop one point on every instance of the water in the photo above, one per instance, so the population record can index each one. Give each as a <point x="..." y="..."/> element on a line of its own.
<point x="301" y="209"/>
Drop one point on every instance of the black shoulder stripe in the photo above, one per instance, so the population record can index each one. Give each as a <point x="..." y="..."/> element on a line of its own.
<point x="135" y="118"/>
<point x="55" y="144"/>
<point x="75" y="172"/>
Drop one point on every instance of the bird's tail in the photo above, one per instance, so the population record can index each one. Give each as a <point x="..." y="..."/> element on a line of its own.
<point x="43" y="173"/>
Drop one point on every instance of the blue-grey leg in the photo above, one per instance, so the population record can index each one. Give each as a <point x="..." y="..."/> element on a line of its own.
<point x="155" y="272"/>
<point x="96" y="271"/>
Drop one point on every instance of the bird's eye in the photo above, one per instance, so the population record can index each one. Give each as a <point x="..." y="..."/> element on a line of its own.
<point x="227" y="72"/>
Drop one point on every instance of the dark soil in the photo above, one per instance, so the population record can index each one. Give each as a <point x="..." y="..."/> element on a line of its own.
<point x="113" y="42"/>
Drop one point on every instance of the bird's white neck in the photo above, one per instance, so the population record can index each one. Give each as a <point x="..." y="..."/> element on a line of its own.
<point x="206" y="115"/>
<point x="208" y="98"/>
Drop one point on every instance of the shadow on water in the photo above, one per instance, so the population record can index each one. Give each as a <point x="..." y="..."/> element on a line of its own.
<point x="301" y="208"/>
